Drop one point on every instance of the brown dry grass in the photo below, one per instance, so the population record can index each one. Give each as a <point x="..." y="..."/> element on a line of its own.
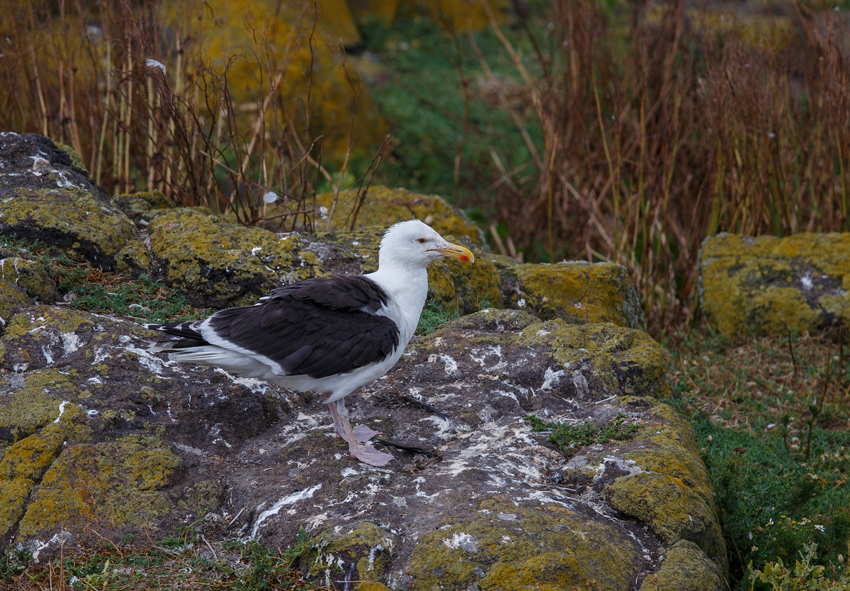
<point x="658" y="132"/>
<point x="761" y="381"/>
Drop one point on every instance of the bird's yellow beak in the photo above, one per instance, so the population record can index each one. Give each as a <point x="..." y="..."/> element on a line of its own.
<point x="455" y="251"/>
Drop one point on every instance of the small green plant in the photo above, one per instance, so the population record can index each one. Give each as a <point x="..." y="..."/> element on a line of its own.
<point x="571" y="438"/>
<point x="804" y="576"/>
<point x="14" y="563"/>
<point x="433" y="315"/>
<point x="94" y="290"/>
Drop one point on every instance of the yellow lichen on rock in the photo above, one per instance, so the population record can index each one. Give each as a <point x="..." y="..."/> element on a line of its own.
<point x="302" y="41"/>
<point x="671" y="491"/>
<point x="221" y="264"/>
<point x="510" y="547"/>
<point x="685" y="567"/>
<point x="384" y="207"/>
<point x="575" y="291"/>
<point x="770" y="285"/>
<point x="92" y="482"/>
<point x="625" y="361"/>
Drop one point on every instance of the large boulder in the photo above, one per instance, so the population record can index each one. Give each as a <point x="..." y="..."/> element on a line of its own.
<point x="97" y="431"/>
<point x="769" y="285"/>
<point x="44" y="197"/>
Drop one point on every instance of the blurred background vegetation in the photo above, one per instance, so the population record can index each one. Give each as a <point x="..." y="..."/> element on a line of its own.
<point x="570" y="129"/>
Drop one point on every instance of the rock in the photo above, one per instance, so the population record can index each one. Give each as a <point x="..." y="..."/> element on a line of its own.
<point x="479" y="500"/>
<point x="384" y="207"/>
<point x="29" y="276"/>
<point x="769" y="285"/>
<point x="575" y="291"/>
<point x="144" y="205"/>
<point x="44" y="197"/>
<point x="94" y="430"/>
<point x="13" y="299"/>
<point x="220" y="264"/>
<point x="453" y="285"/>
<point x="685" y="568"/>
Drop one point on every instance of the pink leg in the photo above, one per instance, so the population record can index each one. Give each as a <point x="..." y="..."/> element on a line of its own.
<point x="365" y="453"/>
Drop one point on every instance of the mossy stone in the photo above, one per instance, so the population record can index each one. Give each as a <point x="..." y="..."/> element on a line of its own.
<point x="13" y="299"/>
<point x="76" y="161"/>
<point x="144" y="205"/>
<point x="671" y="492"/>
<point x="575" y="291"/>
<point x="769" y="285"/>
<point x="384" y="206"/>
<point x="625" y="360"/>
<point x="685" y="568"/>
<point x="511" y="547"/>
<point x="23" y="347"/>
<point x="48" y="196"/>
<point x="30" y="276"/>
<point x="220" y="264"/>
<point x="366" y="545"/>
<point x="93" y="482"/>
<point x="34" y="404"/>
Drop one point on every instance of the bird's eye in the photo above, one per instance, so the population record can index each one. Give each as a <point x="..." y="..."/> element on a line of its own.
<point x="421" y="240"/>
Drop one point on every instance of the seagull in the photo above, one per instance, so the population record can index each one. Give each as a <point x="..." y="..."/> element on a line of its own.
<point x="325" y="335"/>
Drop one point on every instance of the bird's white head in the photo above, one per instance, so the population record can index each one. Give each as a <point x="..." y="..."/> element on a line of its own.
<point x="415" y="244"/>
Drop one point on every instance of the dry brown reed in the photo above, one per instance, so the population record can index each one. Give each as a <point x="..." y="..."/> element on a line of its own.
<point x="147" y="108"/>
<point x="658" y="133"/>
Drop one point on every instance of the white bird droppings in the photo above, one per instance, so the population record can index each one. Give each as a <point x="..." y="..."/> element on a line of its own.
<point x="462" y="541"/>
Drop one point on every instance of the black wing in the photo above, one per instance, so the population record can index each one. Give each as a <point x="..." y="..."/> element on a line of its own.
<point x="316" y="327"/>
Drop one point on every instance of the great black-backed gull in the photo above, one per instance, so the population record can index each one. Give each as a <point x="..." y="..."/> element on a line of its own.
<point x="329" y="336"/>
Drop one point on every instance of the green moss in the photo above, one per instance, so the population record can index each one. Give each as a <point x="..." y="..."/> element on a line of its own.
<point x="570" y="437"/>
<point x="548" y="545"/>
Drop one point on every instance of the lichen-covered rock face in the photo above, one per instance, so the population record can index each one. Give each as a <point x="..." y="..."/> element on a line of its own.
<point x="575" y="291"/>
<point x="220" y="264"/>
<point x="29" y="276"/>
<point x="44" y="197"/>
<point x="769" y="285"/>
<point x="384" y="207"/>
<point x="685" y="568"/>
<point x="96" y="430"/>
<point x="144" y="205"/>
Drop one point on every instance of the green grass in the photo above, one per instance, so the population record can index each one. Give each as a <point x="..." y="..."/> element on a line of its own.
<point x="771" y="421"/>
<point x="433" y="315"/>
<point x="570" y="438"/>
